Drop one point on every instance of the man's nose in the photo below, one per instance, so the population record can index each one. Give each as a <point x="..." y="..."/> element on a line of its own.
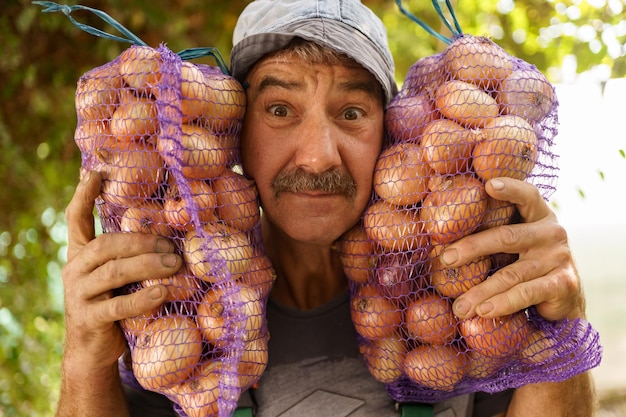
<point x="318" y="145"/>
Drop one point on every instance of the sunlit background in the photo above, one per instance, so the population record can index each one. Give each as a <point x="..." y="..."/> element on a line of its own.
<point x="590" y="201"/>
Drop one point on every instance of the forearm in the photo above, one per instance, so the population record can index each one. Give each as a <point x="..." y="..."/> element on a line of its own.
<point x="91" y="393"/>
<point x="574" y="397"/>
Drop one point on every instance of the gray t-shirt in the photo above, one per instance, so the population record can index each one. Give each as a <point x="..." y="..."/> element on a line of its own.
<point x="315" y="369"/>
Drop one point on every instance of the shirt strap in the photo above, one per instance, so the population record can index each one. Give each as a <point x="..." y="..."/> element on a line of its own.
<point x="243" y="412"/>
<point x="416" y="410"/>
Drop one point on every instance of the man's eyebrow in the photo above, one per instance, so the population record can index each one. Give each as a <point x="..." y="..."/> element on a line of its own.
<point x="370" y="87"/>
<point x="271" y="81"/>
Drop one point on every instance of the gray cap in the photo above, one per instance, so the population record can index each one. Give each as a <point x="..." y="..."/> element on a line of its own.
<point x="346" y="26"/>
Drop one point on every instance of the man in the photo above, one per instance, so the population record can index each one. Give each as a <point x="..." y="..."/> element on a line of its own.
<point x="318" y="75"/>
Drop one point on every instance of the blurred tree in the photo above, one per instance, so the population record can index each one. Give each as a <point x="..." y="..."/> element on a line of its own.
<point x="43" y="55"/>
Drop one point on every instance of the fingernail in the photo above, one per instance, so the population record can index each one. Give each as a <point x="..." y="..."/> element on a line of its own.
<point x="156" y="293"/>
<point x="497" y="184"/>
<point x="162" y="245"/>
<point x="462" y="307"/>
<point x="485" y="308"/>
<point x="449" y="256"/>
<point x="169" y="260"/>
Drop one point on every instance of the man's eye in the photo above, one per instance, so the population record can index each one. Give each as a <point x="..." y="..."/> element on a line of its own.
<point x="278" y="110"/>
<point x="352" y="114"/>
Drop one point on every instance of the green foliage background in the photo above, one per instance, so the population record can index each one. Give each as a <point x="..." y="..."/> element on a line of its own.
<point x="42" y="57"/>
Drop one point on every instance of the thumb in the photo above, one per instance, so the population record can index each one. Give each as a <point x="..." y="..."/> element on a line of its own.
<point x="79" y="213"/>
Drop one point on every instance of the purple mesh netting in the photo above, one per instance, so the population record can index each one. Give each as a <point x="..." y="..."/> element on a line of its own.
<point x="463" y="116"/>
<point x="164" y="133"/>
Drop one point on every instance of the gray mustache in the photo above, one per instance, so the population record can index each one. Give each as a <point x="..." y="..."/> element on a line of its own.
<point x="298" y="180"/>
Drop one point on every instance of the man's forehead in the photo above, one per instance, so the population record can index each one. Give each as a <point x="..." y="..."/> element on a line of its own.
<point x="283" y="72"/>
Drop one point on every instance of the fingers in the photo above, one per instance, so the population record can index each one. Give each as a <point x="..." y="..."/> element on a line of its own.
<point x="515" y="238"/>
<point x="116" y="246"/>
<point x="79" y="213"/>
<point x="519" y="285"/>
<point x="149" y="258"/>
<point x="530" y="204"/>
<point x="556" y="295"/>
<point x="543" y="273"/>
<point x="136" y="304"/>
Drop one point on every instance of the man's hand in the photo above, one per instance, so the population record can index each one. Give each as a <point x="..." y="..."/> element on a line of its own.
<point x="544" y="274"/>
<point x="97" y="266"/>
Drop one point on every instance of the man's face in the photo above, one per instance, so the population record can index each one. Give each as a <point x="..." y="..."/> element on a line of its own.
<point x="311" y="137"/>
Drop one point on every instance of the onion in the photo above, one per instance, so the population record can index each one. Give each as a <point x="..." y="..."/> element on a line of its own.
<point x="478" y="60"/>
<point x="448" y="146"/>
<point x="438" y="367"/>
<point x="358" y="254"/>
<point x="373" y="315"/>
<point x="393" y="228"/>
<point x="429" y="319"/>
<point x="455" y="209"/>
<point x="237" y="200"/>
<point x="526" y="93"/>
<point x="495" y="337"/>
<point x="166" y="352"/>
<point x="224" y="244"/>
<point x="384" y="358"/>
<point x="466" y="104"/>
<point x="406" y="116"/>
<point x="508" y="148"/>
<point x="401" y="174"/>
<point x="96" y="93"/>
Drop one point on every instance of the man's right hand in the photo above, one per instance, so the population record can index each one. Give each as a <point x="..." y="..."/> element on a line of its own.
<point x="96" y="266"/>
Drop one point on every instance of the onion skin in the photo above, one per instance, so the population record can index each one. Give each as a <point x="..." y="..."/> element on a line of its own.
<point x="166" y="352"/>
<point x="455" y="209"/>
<point x="176" y="209"/>
<point x="478" y="60"/>
<point x="130" y="175"/>
<point x="373" y="315"/>
<point x="438" y="367"/>
<point x="140" y="67"/>
<point x="96" y="93"/>
<point x="496" y="337"/>
<point x="358" y="255"/>
<point x="401" y="174"/>
<point x="448" y="146"/>
<point x="429" y="319"/>
<point x="406" y="117"/>
<point x="393" y="228"/>
<point x="509" y="148"/>
<point x="466" y="104"/>
<point x="200" y="154"/>
<point x="226" y="105"/>
<point x="237" y="200"/>
<point x="526" y="93"/>
<point x="384" y="358"/>
<point x="226" y="242"/>
<point x="425" y="76"/>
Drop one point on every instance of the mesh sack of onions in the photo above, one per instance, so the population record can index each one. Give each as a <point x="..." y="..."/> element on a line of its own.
<point x="164" y="134"/>
<point x="462" y="117"/>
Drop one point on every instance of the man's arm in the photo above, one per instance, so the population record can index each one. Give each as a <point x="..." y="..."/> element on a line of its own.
<point x="96" y="266"/>
<point x="91" y="393"/>
<point x="572" y="398"/>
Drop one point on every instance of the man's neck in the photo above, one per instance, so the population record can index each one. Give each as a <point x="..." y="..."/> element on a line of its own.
<point x="308" y="275"/>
